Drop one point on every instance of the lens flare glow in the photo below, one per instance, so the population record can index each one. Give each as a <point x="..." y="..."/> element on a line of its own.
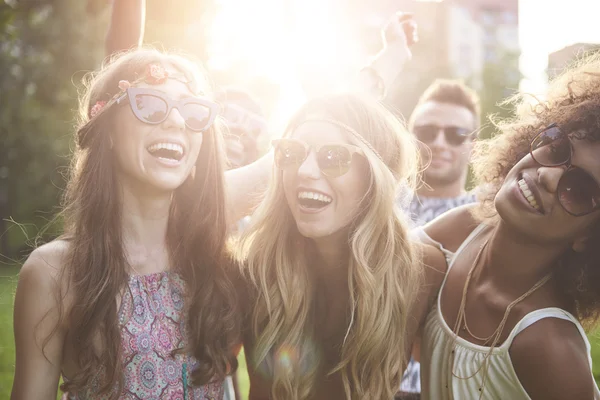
<point x="301" y="46"/>
<point x="290" y="359"/>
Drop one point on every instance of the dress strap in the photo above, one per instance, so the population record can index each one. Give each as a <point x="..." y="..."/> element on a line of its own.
<point x="422" y="236"/>
<point x="550" y="312"/>
<point x="553" y="312"/>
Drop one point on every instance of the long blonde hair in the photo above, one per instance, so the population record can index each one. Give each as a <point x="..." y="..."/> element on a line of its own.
<point x="384" y="273"/>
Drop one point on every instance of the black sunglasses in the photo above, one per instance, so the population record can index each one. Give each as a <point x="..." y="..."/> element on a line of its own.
<point x="334" y="159"/>
<point x="153" y="107"/>
<point x="578" y="192"/>
<point x="455" y="136"/>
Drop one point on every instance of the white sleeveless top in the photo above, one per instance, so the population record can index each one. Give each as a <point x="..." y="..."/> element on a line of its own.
<point x="437" y="381"/>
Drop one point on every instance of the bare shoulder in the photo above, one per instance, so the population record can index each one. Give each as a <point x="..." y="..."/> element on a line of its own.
<point x="453" y="227"/>
<point x="551" y="361"/>
<point x="44" y="264"/>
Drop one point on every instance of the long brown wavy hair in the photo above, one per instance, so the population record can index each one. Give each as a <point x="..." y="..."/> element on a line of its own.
<point x="383" y="274"/>
<point x="95" y="274"/>
<point x="573" y="102"/>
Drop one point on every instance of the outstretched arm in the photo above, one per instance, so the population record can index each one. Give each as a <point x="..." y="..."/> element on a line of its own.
<point x="245" y="186"/>
<point x="398" y="35"/>
<point x="126" y="29"/>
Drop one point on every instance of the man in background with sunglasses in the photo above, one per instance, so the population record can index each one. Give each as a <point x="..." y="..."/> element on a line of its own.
<point x="445" y="121"/>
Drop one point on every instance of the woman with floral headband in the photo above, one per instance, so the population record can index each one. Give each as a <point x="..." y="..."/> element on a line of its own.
<point x="133" y="301"/>
<point x="339" y="289"/>
<point x="524" y="274"/>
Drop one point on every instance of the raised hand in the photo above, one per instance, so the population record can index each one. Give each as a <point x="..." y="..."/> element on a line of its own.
<point x="401" y="27"/>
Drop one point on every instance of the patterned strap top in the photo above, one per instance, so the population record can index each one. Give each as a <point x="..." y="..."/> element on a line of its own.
<point x="152" y="326"/>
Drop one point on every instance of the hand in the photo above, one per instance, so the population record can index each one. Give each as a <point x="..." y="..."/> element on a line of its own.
<point x="398" y="34"/>
<point x="402" y="28"/>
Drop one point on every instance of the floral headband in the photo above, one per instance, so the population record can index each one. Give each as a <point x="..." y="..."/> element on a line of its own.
<point x="155" y="74"/>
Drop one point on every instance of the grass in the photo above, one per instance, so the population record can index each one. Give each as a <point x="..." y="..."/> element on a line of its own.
<point x="8" y="282"/>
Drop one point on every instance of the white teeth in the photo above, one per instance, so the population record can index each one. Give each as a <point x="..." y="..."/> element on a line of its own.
<point x="315" y="196"/>
<point x="166" y="146"/>
<point x="527" y="193"/>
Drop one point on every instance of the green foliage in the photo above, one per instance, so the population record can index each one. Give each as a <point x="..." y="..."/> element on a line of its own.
<point x="45" y="47"/>
<point x="500" y="80"/>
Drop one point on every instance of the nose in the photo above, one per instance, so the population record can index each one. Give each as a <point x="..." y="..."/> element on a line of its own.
<point x="549" y="177"/>
<point x="174" y="121"/>
<point x="309" y="169"/>
<point x="439" y="140"/>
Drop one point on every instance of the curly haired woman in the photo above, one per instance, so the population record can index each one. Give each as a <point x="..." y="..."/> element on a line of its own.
<point x="524" y="273"/>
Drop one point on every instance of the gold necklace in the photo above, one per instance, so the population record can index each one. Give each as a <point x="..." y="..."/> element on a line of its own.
<point x="460" y="320"/>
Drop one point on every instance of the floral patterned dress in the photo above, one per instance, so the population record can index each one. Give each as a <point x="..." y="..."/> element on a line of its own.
<point x="152" y="326"/>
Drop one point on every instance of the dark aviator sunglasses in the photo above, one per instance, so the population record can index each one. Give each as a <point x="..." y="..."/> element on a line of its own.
<point x="454" y="135"/>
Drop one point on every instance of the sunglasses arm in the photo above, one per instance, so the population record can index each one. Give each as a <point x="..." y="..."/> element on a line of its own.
<point x="121" y="98"/>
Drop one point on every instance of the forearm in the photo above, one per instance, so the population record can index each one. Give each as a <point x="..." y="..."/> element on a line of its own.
<point x="126" y="29"/>
<point x="34" y="384"/>
<point x="244" y="186"/>
<point x="382" y="71"/>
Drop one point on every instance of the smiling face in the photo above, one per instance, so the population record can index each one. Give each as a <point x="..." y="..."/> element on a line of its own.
<point x="161" y="156"/>
<point x="528" y="200"/>
<point x="322" y="206"/>
<point x="446" y="162"/>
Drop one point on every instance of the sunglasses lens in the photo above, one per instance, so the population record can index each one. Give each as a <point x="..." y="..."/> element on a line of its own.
<point x="426" y="133"/>
<point x="578" y="192"/>
<point x="197" y="116"/>
<point x="150" y="109"/>
<point x="334" y="160"/>
<point x="289" y="153"/>
<point x="551" y="147"/>
<point x="456" y="136"/>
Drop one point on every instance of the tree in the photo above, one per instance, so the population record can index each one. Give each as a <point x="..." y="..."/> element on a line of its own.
<point x="500" y="78"/>
<point x="45" y="48"/>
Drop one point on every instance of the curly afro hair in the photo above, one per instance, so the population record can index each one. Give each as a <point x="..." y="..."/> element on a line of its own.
<point x="573" y="102"/>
